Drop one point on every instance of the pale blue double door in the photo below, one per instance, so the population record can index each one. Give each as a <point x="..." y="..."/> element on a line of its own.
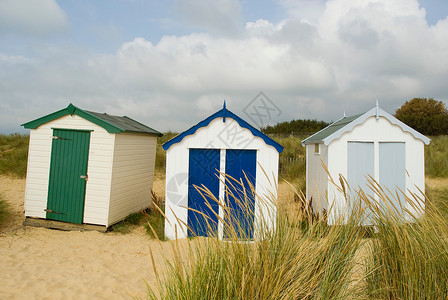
<point x="392" y="170"/>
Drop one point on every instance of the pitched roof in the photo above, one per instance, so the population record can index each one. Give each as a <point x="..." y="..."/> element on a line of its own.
<point x="223" y="113"/>
<point x="112" y="124"/>
<point x="346" y="124"/>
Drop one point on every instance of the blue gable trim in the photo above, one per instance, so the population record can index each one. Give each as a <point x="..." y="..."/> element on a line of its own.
<point x="224" y="113"/>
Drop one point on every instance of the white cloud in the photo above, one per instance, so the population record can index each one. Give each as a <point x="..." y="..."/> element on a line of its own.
<point x="214" y="16"/>
<point x="357" y="52"/>
<point x="32" y="17"/>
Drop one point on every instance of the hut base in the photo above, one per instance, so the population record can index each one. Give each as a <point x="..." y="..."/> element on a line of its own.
<point x="63" y="225"/>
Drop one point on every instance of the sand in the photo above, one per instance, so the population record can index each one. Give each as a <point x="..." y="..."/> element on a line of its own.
<point x="40" y="263"/>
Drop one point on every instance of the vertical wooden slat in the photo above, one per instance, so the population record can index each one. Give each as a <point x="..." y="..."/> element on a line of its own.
<point x="66" y="191"/>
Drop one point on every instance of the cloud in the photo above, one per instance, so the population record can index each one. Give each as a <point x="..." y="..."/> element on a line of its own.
<point x="304" y="10"/>
<point x="356" y="52"/>
<point x="32" y="17"/>
<point x="221" y="17"/>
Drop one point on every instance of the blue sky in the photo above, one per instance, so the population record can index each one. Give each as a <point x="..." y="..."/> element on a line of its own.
<point x="170" y="64"/>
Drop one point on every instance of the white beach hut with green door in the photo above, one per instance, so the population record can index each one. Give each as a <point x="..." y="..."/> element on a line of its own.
<point x="88" y="168"/>
<point x="374" y="145"/>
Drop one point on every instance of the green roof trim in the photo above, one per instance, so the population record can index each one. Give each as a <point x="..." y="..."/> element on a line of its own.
<point x="346" y="124"/>
<point x="112" y="124"/>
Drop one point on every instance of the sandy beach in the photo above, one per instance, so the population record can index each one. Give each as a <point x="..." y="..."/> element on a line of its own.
<point x="40" y="263"/>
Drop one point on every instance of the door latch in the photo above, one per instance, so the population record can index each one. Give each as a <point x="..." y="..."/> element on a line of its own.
<point x="86" y="177"/>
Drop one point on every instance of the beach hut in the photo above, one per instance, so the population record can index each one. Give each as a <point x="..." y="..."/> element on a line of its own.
<point x="221" y="144"/>
<point x="374" y="144"/>
<point x="88" y="168"/>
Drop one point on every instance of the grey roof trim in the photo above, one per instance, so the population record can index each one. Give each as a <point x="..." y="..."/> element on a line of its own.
<point x="305" y="141"/>
<point x="373" y="112"/>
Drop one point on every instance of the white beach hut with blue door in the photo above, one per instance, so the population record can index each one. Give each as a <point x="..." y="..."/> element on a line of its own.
<point x="374" y="144"/>
<point x="221" y="144"/>
<point x="88" y="168"/>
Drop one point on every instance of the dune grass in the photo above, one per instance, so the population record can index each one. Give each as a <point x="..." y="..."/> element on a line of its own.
<point x="13" y="154"/>
<point x="160" y="153"/>
<point x="400" y="260"/>
<point x="436" y="157"/>
<point x="4" y="213"/>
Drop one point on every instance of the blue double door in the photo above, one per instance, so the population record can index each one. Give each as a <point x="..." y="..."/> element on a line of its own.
<point x="204" y="187"/>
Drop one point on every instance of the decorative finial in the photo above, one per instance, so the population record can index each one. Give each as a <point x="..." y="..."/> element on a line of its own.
<point x="225" y="110"/>
<point x="376" y="109"/>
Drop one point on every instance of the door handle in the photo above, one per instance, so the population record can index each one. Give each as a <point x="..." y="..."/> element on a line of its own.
<point x="86" y="177"/>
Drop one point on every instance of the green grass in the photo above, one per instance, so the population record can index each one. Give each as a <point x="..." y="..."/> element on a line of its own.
<point x="160" y="153"/>
<point x="13" y="154"/>
<point x="292" y="161"/>
<point x="4" y="213"/>
<point x="438" y="199"/>
<point x="409" y="260"/>
<point x="397" y="261"/>
<point x="289" y="263"/>
<point x="127" y="224"/>
<point x="436" y="157"/>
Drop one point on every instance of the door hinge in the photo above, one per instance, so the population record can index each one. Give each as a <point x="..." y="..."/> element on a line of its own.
<point x="60" y="138"/>
<point x="53" y="212"/>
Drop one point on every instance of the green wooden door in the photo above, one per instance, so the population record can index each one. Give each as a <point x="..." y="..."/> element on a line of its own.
<point x="68" y="170"/>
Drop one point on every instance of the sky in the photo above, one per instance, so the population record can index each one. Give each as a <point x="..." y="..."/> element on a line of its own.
<point x="170" y="64"/>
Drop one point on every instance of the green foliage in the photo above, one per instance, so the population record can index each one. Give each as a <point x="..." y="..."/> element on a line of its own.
<point x="397" y="261"/>
<point x="427" y="116"/>
<point x="436" y="157"/>
<point x="13" y="154"/>
<point x="3" y="210"/>
<point x="296" y="126"/>
<point x="155" y="224"/>
<point x="292" y="161"/>
<point x="289" y="263"/>
<point x="409" y="261"/>
<point x="160" y="153"/>
<point x="125" y="225"/>
<point x="439" y="201"/>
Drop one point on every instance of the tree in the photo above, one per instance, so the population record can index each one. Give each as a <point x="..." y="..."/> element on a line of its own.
<point x="427" y="116"/>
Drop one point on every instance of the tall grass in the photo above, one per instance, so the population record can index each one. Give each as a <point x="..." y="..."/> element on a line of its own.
<point x="436" y="157"/>
<point x="401" y="260"/>
<point x="160" y="153"/>
<point x="3" y="210"/>
<point x="13" y="154"/>
<point x="409" y="260"/>
<point x="292" y="160"/>
<point x="286" y="263"/>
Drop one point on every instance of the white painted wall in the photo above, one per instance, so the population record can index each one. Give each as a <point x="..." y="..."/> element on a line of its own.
<point x="218" y="135"/>
<point x="376" y="131"/>
<point x="99" y="169"/>
<point x="132" y="175"/>
<point x="317" y="177"/>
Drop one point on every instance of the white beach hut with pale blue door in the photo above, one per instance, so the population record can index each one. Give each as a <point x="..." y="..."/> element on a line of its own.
<point x="86" y="167"/>
<point x="221" y="144"/>
<point x="374" y="144"/>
